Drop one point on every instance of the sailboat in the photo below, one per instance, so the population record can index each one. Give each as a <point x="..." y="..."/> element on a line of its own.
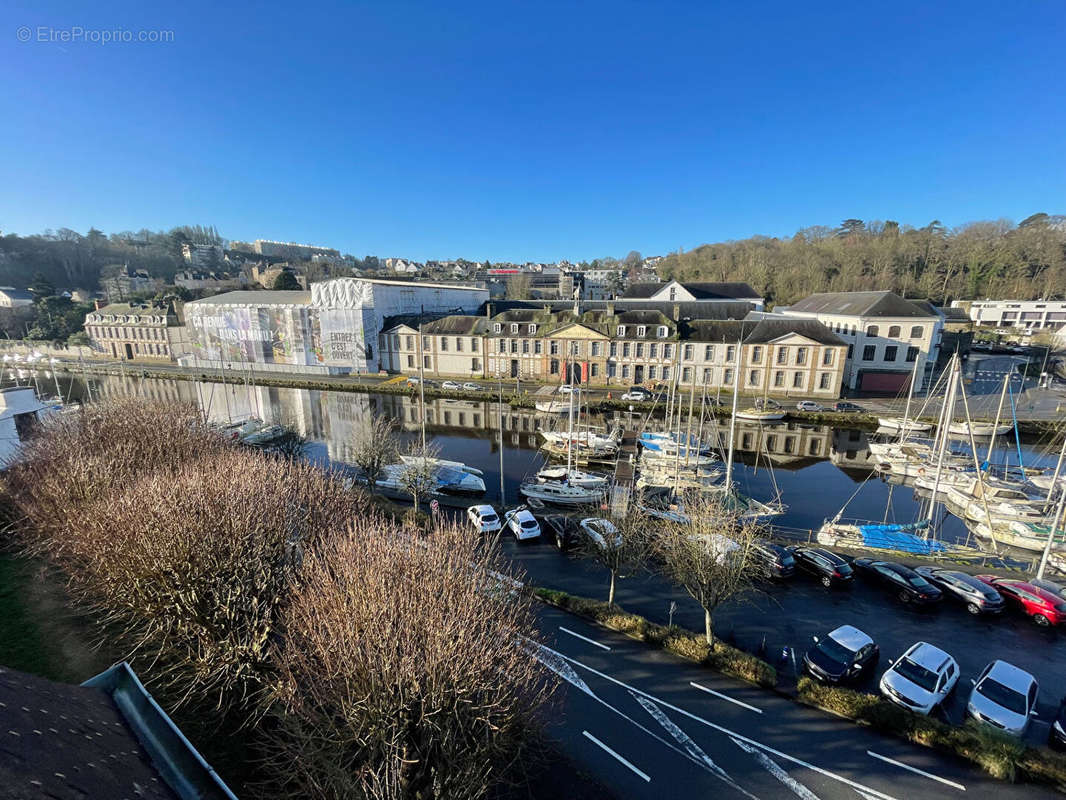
<point x="573" y="477"/>
<point x="905" y="426"/>
<point x="982" y="429"/>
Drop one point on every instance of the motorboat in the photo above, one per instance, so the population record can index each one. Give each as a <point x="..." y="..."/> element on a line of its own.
<point x="572" y="477"/>
<point x="554" y="406"/>
<point x="671" y="444"/>
<point x="761" y="415"/>
<point x="264" y="434"/>
<point x="562" y="495"/>
<point x="1031" y="536"/>
<point x="983" y="429"/>
<point x="592" y="439"/>
<point x="992" y="500"/>
<point x="653" y="460"/>
<point x="234" y="431"/>
<point x="443" y="462"/>
<point x="948" y="477"/>
<point x="21" y="412"/>
<point x="902" y="425"/>
<point x="653" y="479"/>
<point x="452" y="477"/>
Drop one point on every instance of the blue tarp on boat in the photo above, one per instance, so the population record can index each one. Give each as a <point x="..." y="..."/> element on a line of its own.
<point x="900" y="537"/>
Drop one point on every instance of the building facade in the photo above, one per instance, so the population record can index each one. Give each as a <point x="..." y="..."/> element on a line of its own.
<point x="885" y="334"/>
<point x="1029" y="315"/>
<point x="15" y="298"/>
<point x="148" y="332"/>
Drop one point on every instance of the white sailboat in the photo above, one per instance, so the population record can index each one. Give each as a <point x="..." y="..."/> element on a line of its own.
<point x="573" y="477"/>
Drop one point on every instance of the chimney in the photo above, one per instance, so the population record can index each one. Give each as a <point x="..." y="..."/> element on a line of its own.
<point x="97" y="304"/>
<point x="677" y="312"/>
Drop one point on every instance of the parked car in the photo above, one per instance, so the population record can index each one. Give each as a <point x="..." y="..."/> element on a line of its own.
<point x="845" y="407"/>
<point x="601" y="531"/>
<point x="767" y="404"/>
<point x="978" y="596"/>
<point x="484" y="518"/>
<point x="471" y="387"/>
<point x="637" y="394"/>
<point x="908" y="585"/>
<point x="920" y="679"/>
<point x="841" y="655"/>
<point x="566" y="388"/>
<point x="826" y="566"/>
<point x="776" y="560"/>
<point x="1057" y="735"/>
<point x="1039" y="604"/>
<point x="451" y="386"/>
<point x="1050" y="586"/>
<point x="521" y="522"/>
<point x="808" y="405"/>
<point x="561" y="529"/>
<point x="1004" y="696"/>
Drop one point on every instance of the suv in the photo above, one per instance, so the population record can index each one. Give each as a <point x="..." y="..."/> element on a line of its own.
<point x="829" y="568"/>
<point x="921" y="679"/>
<point x="1004" y="697"/>
<point x="1044" y="607"/>
<point x="848" y="408"/>
<point x="484" y="518"/>
<point x="637" y="394"/>
<point x="979" y="597"/>
<point x="841" y="655"/>
<point x="808" y="405"/>
<point x="561" y="529"/>
<point x="909" y="586"/>
<point x="775" y="560"/>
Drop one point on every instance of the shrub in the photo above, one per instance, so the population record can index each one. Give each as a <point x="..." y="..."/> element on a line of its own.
<point x="678" y="641"/>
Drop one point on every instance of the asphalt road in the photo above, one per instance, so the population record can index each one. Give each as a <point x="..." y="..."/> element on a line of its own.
<point x="650" y="726"/>
<point x="789" y="613"/>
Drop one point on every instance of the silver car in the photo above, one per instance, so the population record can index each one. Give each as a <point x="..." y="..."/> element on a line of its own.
<point x="921" y="679"/>
<point x="1004" y="696"/>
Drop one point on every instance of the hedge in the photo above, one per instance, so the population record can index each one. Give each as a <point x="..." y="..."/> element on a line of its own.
<point x="680" y="642"/>
<point x="998" y="754"/>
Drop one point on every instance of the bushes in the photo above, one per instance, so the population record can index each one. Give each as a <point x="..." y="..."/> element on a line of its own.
<point x="725" y="659"/>
<point x="998" y="754"/>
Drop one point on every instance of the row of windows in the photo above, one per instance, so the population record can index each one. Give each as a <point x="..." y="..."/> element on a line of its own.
<point x="132" y="333"/>
<point x="869" y="353"/>
<point x="661" y="331"/>
<point x="894" y="331"/>
<point x="427" y="363"/>
<point x="427" y="344"/>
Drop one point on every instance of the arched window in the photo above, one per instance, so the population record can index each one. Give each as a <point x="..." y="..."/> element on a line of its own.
<point x="893" y="332"/>
<point x="917" y="331"/>
<point x="872" y="330"/>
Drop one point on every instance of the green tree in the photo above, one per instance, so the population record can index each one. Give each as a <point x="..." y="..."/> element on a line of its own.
<point x="41" y="287"/>
<point x="286" y="281"/>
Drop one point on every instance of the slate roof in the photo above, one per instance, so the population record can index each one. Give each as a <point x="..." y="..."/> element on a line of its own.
<point x="863" y="304"/>
<point x="702" y="290"/>
<point x="643" y="290"/>
<point x="460" y="324"/>
<point x="759" y="331"/>
<point x="263" y="298"/>
<point x="69" y="743"/>
<point x="17" y="294"/>
<point x="686" y="310"/>
<point x="955" y="314"/>
<point x="134" y="310"/>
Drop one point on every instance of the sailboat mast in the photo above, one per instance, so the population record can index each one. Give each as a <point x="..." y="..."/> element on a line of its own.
<point x="570" y="436"/>
<point x="733" y="423"/>
<point x="421" y="388"/>
<point x="999" y="412"/>
<point x="907" y="408"/>
<point x="1058" y="472"/>
<point x="1055" y="523"/>
<point x="946" y="416"/>
<point x="499" y="411"/>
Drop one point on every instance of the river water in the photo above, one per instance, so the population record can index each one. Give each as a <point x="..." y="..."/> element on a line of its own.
<point x="817" y="469"/>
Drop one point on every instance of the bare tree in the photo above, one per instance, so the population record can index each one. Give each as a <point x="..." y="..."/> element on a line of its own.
<point x="518" y="286"/>
<point x="418" y="476"/>
<point x="373" y="446"/>
<point x="619" y="545"/>
<point x="712" y="557"/>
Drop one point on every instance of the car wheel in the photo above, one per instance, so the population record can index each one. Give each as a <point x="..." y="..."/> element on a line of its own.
<point x="973" y="608"/>
<point x="1041" y="620"/>
<point x="827" y="581"/>
<point x="904" y="597"/>
<point x="559" y="543"/>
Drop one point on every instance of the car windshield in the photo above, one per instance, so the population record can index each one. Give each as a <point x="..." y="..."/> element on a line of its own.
<point x="843" y="569"/>
<point x="787" y="559"/>
<point x="835" y="650"/>
<point x="1002" y="696"/>
<point x="529" y="523"/>
<point x="916" y="674"/>
<point x="488" y="518"/>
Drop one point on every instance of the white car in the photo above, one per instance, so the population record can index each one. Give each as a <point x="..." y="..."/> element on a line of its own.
<point x="566" y="388"/>
<point x="636" y="397"/>
<point x="808" y="405"/>
<point x="1004" y="696"/>
<point x="471" y="387"/>
<point x="451" y="386"/>
<point x="522" y="523"/>
<point x="600" y="531"/>
<point x="921" y="678"/>
<point x="484" y="518"/>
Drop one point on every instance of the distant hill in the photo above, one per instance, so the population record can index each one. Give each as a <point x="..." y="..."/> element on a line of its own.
<point x="981" y="259"/>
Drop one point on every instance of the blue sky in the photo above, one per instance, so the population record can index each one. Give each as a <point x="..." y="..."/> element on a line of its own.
<point x="544" y="130"/>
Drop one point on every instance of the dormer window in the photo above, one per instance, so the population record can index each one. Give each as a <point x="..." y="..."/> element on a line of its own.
<point x="642" y="330"/>
<point x="621" y="330"/>
<point x="532" y="329"/>
<point x="514" y="327"/>
<point x="663" y="332"/>
<point x="497" y="328"/>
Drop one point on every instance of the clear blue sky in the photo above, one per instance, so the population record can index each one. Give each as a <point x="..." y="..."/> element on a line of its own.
<point x="536" y="130"/>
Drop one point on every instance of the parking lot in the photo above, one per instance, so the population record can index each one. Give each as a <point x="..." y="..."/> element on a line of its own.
<point x="789" y="613"/>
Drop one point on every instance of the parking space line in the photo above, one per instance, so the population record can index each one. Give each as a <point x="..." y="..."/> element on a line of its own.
<point x="921" y="772"/>
<point x="725" y="697"/>
<point x="643" y="775"/>
<point x="583" y="638"/>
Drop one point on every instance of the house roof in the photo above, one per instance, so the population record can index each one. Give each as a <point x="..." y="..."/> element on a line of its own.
<point x="643" y="290"/>
<point x="685" y="310"/>
<point x="863" y="304"/>
<point x="701" y="290"/>
<point x="253" y="298"/>
<point x="954" y="314"/>
<point x="460" y="324"/>
<point x="134" y="310"/>
<point x="759" y="331"/>
<point x="17" y="294"/>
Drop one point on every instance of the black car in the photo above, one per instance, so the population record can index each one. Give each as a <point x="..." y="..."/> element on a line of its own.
<point x="841" y="655"/>
<point x="979" y="597"/>
<point x="560" y="529"/>
<point x="908" y="585"/>
<point x="1057" y="735"/>
<point x="827" y="567"/>
<point x="1050" y="586"/>
<point x="641" y="390"/>
<point x="848" y="408"/>
<point x="776" y="560"/>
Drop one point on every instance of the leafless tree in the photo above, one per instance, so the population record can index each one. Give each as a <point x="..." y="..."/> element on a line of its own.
<point x="419" y="473"/>
<point x="619" y="544"/>
<point x="712" y="557"/>
<point x="373" y="446"/>
<point x="518" y="286"/>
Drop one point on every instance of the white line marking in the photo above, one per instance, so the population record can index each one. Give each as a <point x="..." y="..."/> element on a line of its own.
<point x="583" y="638"/>
<point x="725" y="697"/>
<point x="551" y="659"/>
<point x="644" y="775"/>
<point x="821" y="770"/>
<point x="775" y="769"/>
<point x="922" y="772"/>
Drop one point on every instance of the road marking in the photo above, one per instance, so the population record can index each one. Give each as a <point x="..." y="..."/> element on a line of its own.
<point x="724" y="697"/>
<point x="583" y="638"/>
<point x="733" y="734"/>
<point x="680" y="736"/>
<point x="551" y="659"/>
<point x="643" y="775"/>
<point x="775" y="769"/>
<point x="922" y="772"/>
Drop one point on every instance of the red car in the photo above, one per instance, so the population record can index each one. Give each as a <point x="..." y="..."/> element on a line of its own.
<point x="1044" y="607"/>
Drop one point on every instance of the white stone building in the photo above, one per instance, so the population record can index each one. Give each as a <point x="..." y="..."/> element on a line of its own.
<point x="1025" y="315"/>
